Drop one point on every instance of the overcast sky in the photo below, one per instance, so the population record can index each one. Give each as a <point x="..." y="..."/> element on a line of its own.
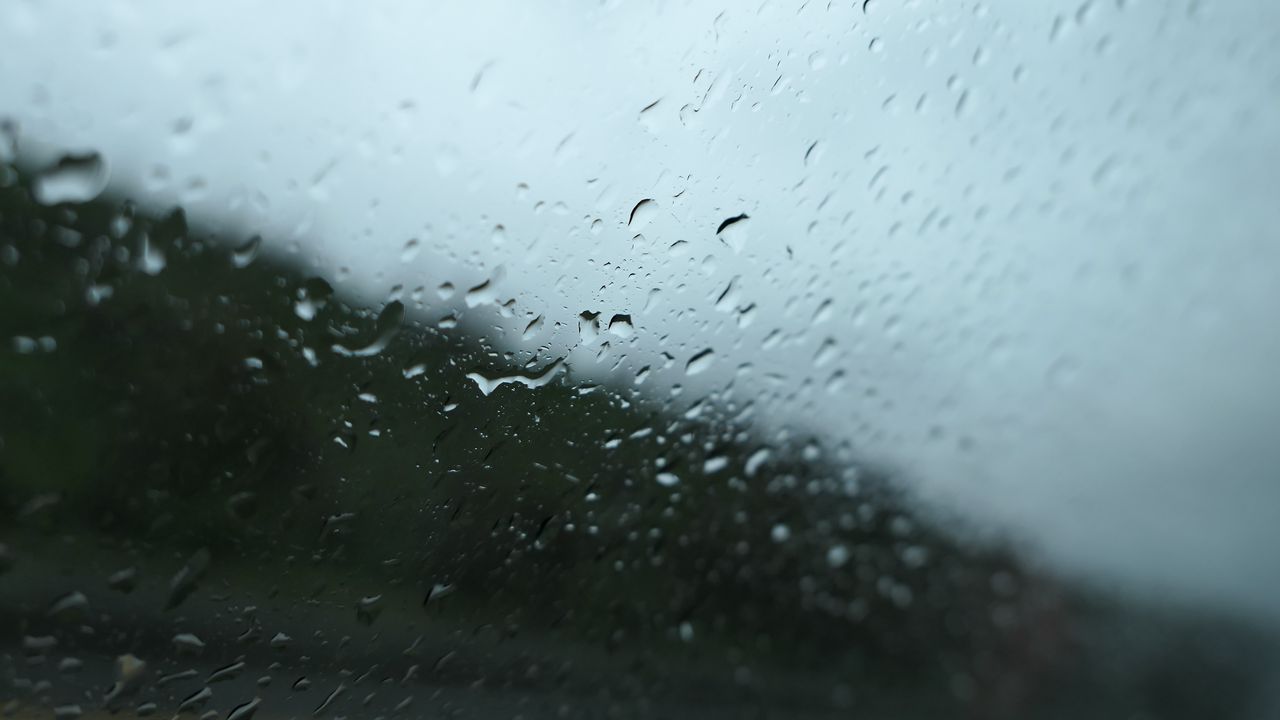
<point x="1025" y="252"/>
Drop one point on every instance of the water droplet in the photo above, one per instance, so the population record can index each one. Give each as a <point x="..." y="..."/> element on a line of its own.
<point x="642" y="214"/>
<point x="532" y="329"/>
<point x="733" y="232"/>
<point x="244" y="711"/>
<point x="410" y="251"/>
<point x="837" y="555"/>
<point x="486" y="292"/>
<point x="333" y="696"/>
<point x="667" y="479"/>
<point x="72" y="606"/>
<point x="187" y="644"/>
<point x="368" y="609"/>
<point x="227" y="672"/>
<point x="242" y="256"/>
<point x="312" y="297"/>
<point x="488" y="385"/>
<point x="621" y="326"/>
<point x="151" y="259"/>
<point x="386" y="327"/>
<point x="185" y="580"/>
<point x="196" y="700"/>
<point x="74" y="178"/>
<point x="755" y="461"/>
<point x="699" y="362"/>
<point x="130" y="672"/>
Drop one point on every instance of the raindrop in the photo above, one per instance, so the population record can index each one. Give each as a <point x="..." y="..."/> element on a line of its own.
<point x="410" y="251"/>
<point x="312" y="297"/>
<point x="71" y="606"/>
<point x="642" y="214"/>
<point x="74" y="178"/>
<point x="333" y="696"/>
<point x="227" y="672"/>
<point x="185" y="580"/>
<point x="621" y="326"/>
<point x="151" y="259"/>
<point x="532" y="329"/>
<point x="699" y="362"/>
<point x="187" y="644"/>
<point x="486" y="292"/>
<point x="387" y="327"/>
<point x="733" y="232"/>
<point x="488" y="385"/>
<point x="196" y="700"/>
<point x="244" y="711"/>
<point x="837" y="555"/>
<point x="368" y="609"/>
<point x="242" y="256"/>
<point x="811" y="155"/>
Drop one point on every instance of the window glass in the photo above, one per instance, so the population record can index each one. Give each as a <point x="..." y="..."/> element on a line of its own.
<point x="655" y="360"/>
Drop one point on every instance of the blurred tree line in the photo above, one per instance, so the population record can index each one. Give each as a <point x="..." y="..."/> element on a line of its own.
<point x="172" y="390"/>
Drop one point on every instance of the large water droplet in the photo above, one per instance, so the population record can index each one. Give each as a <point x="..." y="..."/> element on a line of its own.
<point x="74" y="178"/>
<point x="488" y="385"/>
<point x="642" y="214"/>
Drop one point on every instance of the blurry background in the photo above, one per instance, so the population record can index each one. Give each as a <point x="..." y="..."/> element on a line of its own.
<point x="1019" y="259"/>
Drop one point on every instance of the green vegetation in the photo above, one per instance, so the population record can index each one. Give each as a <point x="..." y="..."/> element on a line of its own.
<point x="151" y="408"/>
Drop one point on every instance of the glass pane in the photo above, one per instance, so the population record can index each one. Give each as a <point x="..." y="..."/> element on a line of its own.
<point x="639" y="360"/>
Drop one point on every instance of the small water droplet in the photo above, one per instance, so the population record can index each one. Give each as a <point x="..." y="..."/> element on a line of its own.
<point x="187" y="644"/>
<point x="72" y="606"/>
<point x="151" y="259"/>
<point x="410" y="250"/>
<point x="733" y="232"/>
<point x="226" y="672"/>
<point x="242" y="256"/>
<point x="837" y="555"/>
<point x="368" y="609"/>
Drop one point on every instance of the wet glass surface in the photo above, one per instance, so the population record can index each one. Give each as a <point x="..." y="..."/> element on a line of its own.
<point x="671" y="360"/>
